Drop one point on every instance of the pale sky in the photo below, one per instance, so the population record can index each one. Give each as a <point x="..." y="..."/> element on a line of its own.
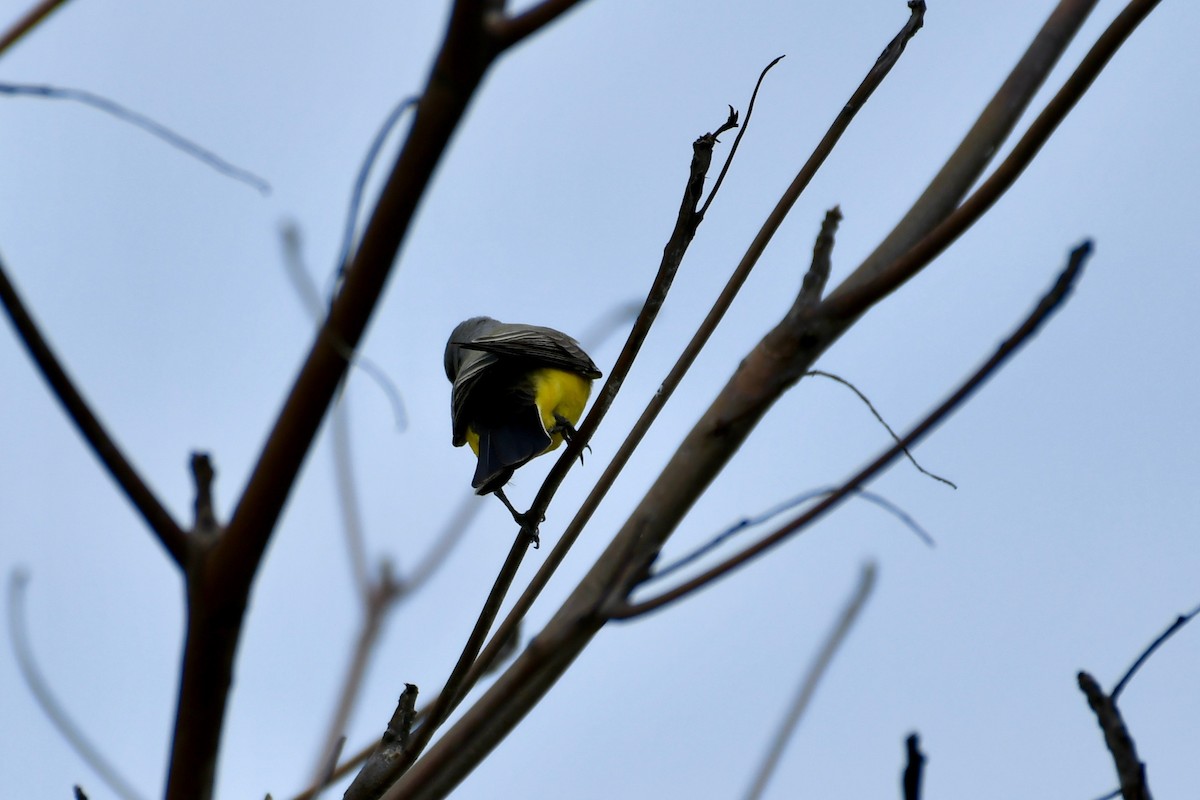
<point x="1069" y="544"/>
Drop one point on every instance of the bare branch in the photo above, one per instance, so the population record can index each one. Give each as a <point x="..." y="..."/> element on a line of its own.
<point x="914" y="767"/>
<point x="1130" y="770"/>
<point x="40" y="689"/>
<point x="920" y="237"/>
<point x="1048" y="304"/>
<point x="168" y="532"/>
<point x="360" y="181"/>
<point x="158" y="130"/>
<point x="984" y="138"/>
<point x="1179" y="622"/>
<point x="391" y="748"/>
<point x="737" y="140"/>
<point x="25" y="24"/>
<point x="749" y="522"/>
<point x="808" y="686"/>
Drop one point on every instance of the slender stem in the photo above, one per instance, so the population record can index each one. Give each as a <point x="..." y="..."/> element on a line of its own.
<point x="168" y="532"/>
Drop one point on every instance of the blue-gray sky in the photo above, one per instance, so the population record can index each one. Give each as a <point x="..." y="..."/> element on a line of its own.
<point x="1070" y="543"/>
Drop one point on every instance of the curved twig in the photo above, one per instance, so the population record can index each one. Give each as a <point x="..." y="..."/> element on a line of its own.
<point x="879" y="418"/>
<point x="147" y="124"/>
<point x="41" y="692"/>
<point x="1048" y="304"/>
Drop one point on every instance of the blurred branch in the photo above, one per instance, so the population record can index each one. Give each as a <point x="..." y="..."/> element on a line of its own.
<point x="922" y="235"/>
<point x="360" y="182"/>
<point x="155" y="129"/>
<point x="1048" y="304"/>
<point x="302" y="281"/>
<point x="808" y="686"/>
<point x="813" y="285"/>
<point x="168" y="532"/>
<point x="45" y="698"/>
<point x="25" y="24"/>
<point x="914" y="767"/>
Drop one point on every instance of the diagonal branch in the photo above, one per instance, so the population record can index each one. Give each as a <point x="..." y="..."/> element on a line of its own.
<point x="1048" y="304"/>
<point x="911" y="250"/>
<point x="808" y="686"/>
<point x="169" y="534"/>
<point x="981" y="142"/>
<point x="25" y="24"/>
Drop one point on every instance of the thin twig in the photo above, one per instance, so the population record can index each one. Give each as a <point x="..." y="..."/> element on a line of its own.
<point x="147" y="124"/>
<point x="25" y="24"/>
<point x="50" y="705"/>
<point x="1179" y="622"/>
<point x="1048" y="304"/>
<point x="293" y="261"/>
<point x="914" y="767"/>
<point x="360" y="181"/>
<point x="737" y="140"/>
<point x="879" y="418"/>
<point x="808" y="686"/>
<point x="747" y="523"/>
<point x="687" y="221"/>
<point x="168" y="532"/>
<point x="454" y="688"/>
<point x="559" y="552"/>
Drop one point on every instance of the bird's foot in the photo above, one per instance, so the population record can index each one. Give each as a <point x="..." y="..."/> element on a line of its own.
<point x="528" y="522"/>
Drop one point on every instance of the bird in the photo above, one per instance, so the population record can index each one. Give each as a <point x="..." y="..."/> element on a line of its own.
<point x="517" y="392"/>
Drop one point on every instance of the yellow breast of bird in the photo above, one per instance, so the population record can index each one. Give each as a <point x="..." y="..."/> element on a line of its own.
<point x="557" y="393"/>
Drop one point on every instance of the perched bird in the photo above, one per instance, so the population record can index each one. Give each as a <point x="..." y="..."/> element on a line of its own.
<point x="518" y="392"/>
